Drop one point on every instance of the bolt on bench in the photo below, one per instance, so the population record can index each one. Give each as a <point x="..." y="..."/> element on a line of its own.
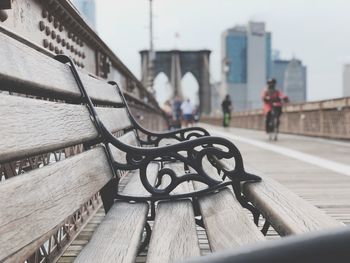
<point x="195" y="180"/>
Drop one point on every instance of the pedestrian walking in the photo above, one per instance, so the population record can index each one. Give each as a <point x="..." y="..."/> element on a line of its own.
<point x="177" y="112"/>
<point x="226" y="110"/>
<point x="187" y="112"/>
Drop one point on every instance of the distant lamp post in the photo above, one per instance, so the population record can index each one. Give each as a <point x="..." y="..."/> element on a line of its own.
<point x="151" y="55"/>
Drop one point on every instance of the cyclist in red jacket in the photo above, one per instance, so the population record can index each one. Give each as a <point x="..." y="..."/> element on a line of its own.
<point x="273" y="100"/>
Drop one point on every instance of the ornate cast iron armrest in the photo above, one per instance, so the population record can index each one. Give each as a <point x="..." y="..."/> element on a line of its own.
<point x="191" y="153"/>
<point x="153" y="138"/>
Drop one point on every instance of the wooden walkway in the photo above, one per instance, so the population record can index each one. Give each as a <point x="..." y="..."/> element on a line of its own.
<point x="318" y="170"/>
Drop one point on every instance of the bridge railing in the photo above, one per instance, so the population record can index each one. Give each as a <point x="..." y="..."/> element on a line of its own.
<point x="327" y="118"/>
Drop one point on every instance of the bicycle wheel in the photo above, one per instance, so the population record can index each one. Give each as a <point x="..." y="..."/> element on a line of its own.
<point x="275" y="128"/>
<point x="271" y="128"/>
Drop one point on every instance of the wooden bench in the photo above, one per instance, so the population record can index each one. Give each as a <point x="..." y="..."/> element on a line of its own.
<point x="54" y="107"/>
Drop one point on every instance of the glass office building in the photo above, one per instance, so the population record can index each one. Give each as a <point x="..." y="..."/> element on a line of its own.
<point x="236" y="44"/>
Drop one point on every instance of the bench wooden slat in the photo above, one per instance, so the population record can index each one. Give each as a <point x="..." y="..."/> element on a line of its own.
<point x="174" y="236"/>
<point x="115" y="119"/>
<point x="287" y="212"/>
<point x="118" y="236"/>
<point x="23" y="69"/>
<point x="35" y="126"/>
<point x="227" y="224"/>
<point x="34" y="204"/>
<point x="117" y="239"/>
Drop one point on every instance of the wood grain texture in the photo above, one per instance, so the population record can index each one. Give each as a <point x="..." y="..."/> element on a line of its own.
<point x="23" y="69"/>
<point x="226" y="222"/>
<point x="34" y="126"/>
<point x="287" y="212"/>
<point x="33" y="204"/>
<point x="174" y="236"/>
<point x="114" y="119"/>
<point x="118" y="237"/>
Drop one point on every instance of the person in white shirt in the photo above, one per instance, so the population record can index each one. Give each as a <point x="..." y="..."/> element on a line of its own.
<point x="187" y="112"/>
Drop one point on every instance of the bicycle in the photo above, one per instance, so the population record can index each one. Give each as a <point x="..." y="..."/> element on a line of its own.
<point x="273" y="124"/>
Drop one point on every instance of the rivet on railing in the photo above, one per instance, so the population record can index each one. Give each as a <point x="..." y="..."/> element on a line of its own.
<point x="46" y="43"/>
<point x="50" y="18"/>
<point x="56" y="24"/>
<point x="42" y="25"/>
<point x="47" y="30"/>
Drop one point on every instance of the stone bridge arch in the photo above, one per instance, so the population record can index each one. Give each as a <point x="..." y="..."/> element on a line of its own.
<point x="175" y="64"/>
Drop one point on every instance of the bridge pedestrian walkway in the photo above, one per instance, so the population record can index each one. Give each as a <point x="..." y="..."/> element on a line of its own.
<point x="317" y="170"/>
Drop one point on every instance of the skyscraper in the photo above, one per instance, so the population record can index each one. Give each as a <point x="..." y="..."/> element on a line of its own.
<point x="291" y="78"/>
<point x="346" y="80"/>
<point x="246" y="63"/>
<point x="295" y="81"/>
<point x="88" y="9"/>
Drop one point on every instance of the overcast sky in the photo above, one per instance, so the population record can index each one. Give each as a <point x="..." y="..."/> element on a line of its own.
<point x="315" y="31"/>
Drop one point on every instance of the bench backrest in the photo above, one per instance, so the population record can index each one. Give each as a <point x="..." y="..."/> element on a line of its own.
<point x="35" y="204"/>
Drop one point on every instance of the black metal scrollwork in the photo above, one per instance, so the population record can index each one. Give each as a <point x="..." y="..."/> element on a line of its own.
<point x="189" y="152"/>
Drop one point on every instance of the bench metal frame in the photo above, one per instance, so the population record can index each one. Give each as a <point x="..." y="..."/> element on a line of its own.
<point x="215" y="148"/>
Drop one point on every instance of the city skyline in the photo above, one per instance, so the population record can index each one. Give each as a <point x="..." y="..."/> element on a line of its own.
<point x="299" y="29"/>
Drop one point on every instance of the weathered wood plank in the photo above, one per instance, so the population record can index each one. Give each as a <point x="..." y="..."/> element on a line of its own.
<point x="117" y="239"/>
<point x="174" y="236"/>
<point x="34" y="204"/>
<point x="35" y="126"/>
<point x="287" y="212"/>
<point x="114" y="119"/>
<point x="226" y="223"/>
<point x="23" y="69"/>
<point x="118" y="236"/>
